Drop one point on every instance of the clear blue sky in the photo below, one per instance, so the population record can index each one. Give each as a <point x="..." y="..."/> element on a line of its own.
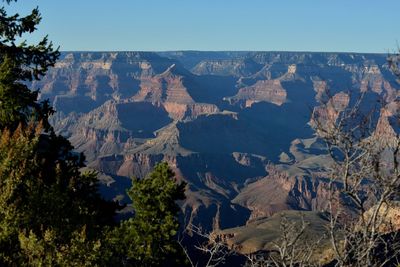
<point x="159" y="25"/>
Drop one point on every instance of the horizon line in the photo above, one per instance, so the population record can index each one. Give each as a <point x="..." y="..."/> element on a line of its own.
<point x="224" y="51"/>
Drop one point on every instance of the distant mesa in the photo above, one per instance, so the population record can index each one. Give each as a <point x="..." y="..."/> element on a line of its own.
<point x="262" y="91"/>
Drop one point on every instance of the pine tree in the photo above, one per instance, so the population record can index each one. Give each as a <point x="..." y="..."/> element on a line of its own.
<point x="21" y="63"/>
<point x="47" y="206"/>
<point x="149" y="238"/>
<point x="51" y="214"/>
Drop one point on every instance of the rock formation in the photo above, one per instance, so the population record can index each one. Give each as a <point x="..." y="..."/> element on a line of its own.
<point x="220" y="119"/>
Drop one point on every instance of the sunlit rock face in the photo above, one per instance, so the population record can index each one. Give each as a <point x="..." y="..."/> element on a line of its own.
<point x="262" y="91"/>
<point x="220" y="119"/>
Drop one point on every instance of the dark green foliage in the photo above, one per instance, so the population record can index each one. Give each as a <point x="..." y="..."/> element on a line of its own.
<point x="149" y="239"/>
<point x="51" y="214"/>
<point x="46" y="204"/>
<point x="21" y="63"/>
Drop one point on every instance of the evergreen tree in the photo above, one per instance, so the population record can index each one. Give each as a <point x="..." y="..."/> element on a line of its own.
<point x="149" y="238"/>
<point x="48" y="208"/>
<point x="51" y="214"/>
<point x="46" y="205"/>
<point x="21" y="63"/>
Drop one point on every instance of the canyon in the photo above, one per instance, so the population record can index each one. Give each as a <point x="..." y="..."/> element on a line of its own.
<point x="236" y="126"/>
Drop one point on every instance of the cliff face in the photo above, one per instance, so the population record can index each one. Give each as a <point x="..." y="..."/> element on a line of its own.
<point x="262" y="91"/>
<point x="220" y="119"/>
